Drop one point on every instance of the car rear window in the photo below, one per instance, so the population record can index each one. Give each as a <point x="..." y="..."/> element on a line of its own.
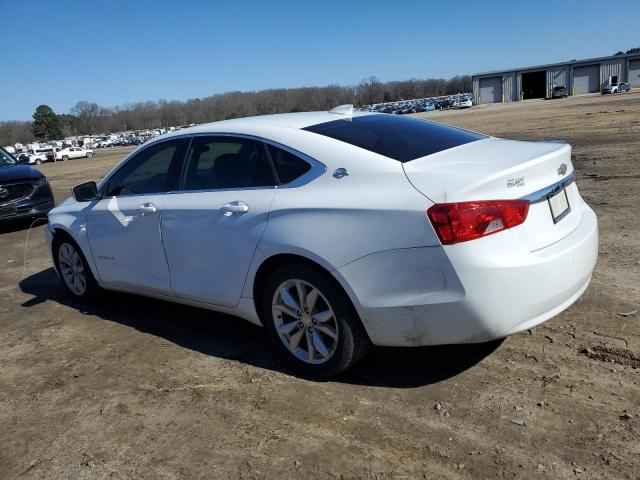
<point x="400" y="138"/>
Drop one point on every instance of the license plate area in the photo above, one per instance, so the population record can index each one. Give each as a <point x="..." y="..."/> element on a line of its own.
<point x="559" y="205"/>
<point x="7" y="210"/>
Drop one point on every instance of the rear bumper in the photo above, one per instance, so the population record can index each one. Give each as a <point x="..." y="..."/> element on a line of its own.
<point x="470" y="292"/>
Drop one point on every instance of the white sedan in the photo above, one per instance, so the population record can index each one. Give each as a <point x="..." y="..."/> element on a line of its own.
<point x="73" y="152"/>
<point x="463" y="103"/>
<point x="339" y="229"/>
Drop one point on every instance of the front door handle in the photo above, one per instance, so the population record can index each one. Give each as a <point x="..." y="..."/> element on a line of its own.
<point x="234" y="208"/>
<point x="147" y="208"/>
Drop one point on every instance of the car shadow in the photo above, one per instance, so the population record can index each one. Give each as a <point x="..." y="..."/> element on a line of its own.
<point x="10" y="226"/>
<point x="229" y="337"/>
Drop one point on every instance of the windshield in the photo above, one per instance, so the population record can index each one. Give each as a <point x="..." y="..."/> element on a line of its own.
<point x="6" y="160"/>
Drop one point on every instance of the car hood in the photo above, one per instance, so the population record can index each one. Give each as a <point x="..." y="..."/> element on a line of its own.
<point x="19" y="172"/>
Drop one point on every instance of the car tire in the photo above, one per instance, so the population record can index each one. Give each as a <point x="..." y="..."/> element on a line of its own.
<point x="323" y="341"/>
<point x="65" y="158"/>
<point x="38" y="162"/>
<point x="72" y="267"/>
<point x="89" y="154"/>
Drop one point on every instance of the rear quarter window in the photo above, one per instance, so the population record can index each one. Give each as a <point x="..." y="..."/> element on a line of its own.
<point x="288" y="166"/>
<point x="400" y="138"/>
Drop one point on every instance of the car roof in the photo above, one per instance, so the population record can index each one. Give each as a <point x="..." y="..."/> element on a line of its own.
<point x="298" y="120"/>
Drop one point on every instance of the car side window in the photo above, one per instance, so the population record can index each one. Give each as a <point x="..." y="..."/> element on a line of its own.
<point x="227" y="162"/>
<point x="154" y="170"/>
<point x="288" y="166"/>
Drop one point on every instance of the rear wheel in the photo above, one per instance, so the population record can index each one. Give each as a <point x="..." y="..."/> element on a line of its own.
<point x="311" y="321"/>
<point x="65" y="158"/>
<point x="73" y="268"/>
<point x="89" y="154"/>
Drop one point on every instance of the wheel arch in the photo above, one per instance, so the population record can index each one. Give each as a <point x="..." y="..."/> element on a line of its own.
<point x="273" y="262"/>
<point x="58" y="231"/>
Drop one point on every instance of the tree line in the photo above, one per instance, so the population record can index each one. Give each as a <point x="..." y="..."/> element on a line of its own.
<point x="89" y="118"/>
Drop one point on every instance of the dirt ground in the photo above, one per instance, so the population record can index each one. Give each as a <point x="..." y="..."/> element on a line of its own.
<point x="133" y="388"/>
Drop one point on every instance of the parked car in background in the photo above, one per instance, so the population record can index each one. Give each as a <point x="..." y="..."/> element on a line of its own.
<point x="429" y="107"/>
<point x="42" y="154"/>
<point x="338" y="229"/>
<point x="559" y="91"/>
<point x="73" y="152"/>
<point x="463" y="103"/>
<point x="24" y="190"/>
<point x="104" y="143"/>
<point x="37" y="158"/>
<point x="24" y="158"/>
<point x="616" y="88"/>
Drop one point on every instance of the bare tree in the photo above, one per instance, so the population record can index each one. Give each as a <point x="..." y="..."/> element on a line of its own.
<point x="87" y="114"/>
<point x="90" y="118"/>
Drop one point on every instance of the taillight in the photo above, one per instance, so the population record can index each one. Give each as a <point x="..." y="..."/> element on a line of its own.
<point x="464" y="221"/>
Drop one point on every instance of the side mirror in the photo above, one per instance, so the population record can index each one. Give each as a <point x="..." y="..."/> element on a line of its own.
<point x="85" y="192"/>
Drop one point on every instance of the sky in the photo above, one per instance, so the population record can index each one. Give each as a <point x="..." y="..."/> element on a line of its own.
<point x="115" y="52"/>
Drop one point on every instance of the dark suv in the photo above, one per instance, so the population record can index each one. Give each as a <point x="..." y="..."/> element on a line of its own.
<point x="559" y="91"/>
<point x="24" y="190"/>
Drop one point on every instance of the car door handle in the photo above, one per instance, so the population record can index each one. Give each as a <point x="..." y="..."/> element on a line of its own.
<point x="147" y="208"/>
<point x="234" y="208"/>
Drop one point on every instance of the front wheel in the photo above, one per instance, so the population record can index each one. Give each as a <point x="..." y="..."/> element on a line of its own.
<point x="38" y="162"/>
<point x="65" y="158"/>
<point x="311" y="321"/>
<point x="89" y="154"/>
<point x="73" y="268"/>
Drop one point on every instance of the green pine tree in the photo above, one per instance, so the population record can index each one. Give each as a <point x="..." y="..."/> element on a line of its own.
<point x="46" y="125"/>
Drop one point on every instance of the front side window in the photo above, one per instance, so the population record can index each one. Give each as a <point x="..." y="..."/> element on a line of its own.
<point x="227" y="162"/>
<point x="154" y="170"/>
<point x="288" y="166"/>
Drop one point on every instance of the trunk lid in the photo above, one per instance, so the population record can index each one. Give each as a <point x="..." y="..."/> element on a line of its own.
<point x="497" y="169"/>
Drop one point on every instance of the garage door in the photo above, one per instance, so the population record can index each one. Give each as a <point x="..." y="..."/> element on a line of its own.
<point x="634" y="73"/>
<point x="586" y="79"/>
<point x="491" y="90"/>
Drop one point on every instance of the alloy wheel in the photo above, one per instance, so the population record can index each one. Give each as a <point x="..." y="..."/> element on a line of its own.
<point x="305" y="321"/>
<point x="72" y="269"/>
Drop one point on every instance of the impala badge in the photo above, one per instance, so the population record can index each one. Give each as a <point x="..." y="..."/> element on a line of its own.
<point x="562" y="169"/>
<point x="515" y="182"/>
<point x="4" y="193"/>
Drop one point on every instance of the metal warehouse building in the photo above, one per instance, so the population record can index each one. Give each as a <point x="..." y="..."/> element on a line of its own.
<point x="579" y="76"/>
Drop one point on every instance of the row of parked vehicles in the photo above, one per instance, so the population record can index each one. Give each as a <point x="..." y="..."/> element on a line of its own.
<point x="52" y="154"/>
<point x="463" y="100"/>
<point x="123" y="141"/>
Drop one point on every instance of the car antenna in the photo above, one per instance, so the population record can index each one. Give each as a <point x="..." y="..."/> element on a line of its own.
<point x="343" y="109"/>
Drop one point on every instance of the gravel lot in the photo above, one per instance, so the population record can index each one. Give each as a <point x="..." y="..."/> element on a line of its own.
<point x="129" y="387"/>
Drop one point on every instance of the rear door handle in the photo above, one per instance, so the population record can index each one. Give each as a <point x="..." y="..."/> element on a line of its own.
<point x="147" y="208"/>
<point x="234" y="208"/>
